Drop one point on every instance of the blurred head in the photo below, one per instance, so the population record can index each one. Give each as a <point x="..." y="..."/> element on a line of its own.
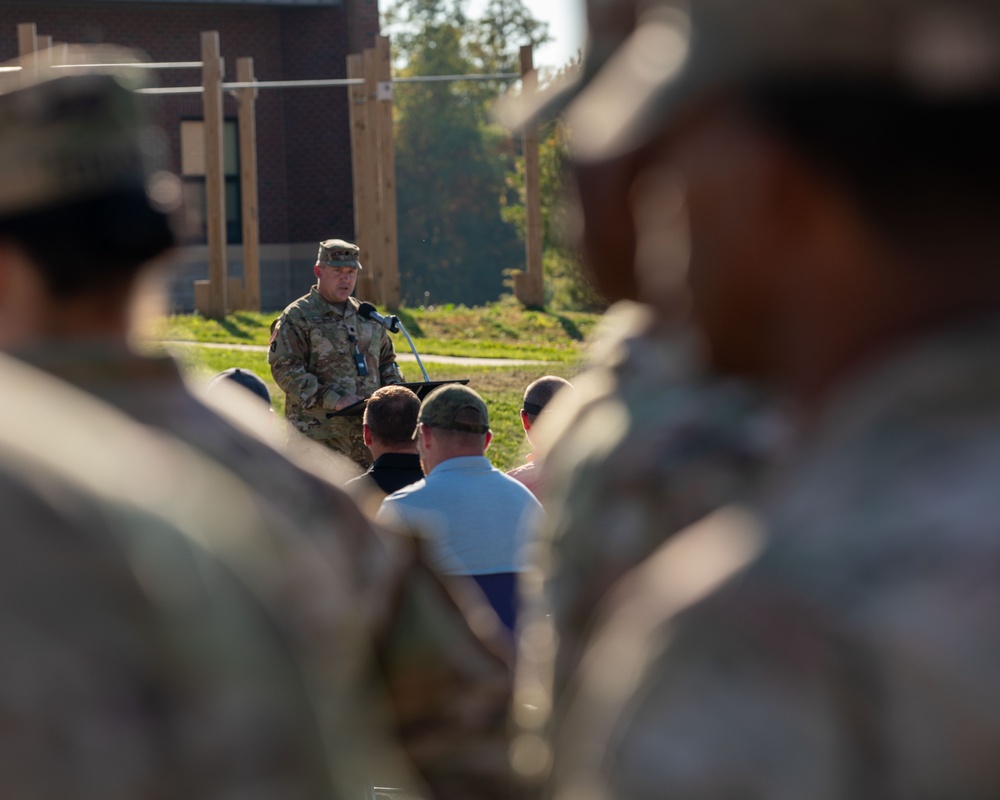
<point x="390" y="420"/>
<point x="244" y="379"/>
<point x="821" y="155"/>
<point x="537" y="397"/>
<point x="336" y="269"/>
<point x="453" y="422"/>
<point x="82" y="200"/>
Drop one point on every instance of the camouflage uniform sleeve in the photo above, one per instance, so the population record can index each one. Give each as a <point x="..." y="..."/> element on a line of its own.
<point x="289" y="357"/>
<point x="447" y="669"/>
<point x="713" y="706"/>
<point x="388" y="368"/>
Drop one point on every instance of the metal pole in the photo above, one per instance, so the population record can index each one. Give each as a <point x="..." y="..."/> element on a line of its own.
<point x="413" y="348"/>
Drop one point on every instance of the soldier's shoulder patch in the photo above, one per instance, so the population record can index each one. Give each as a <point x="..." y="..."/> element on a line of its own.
<point x="274" y="334"/>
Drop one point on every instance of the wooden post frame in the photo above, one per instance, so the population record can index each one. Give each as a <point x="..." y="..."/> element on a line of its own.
<point x="389" y="268"/>
<point x="215" y="181"/>
<point x="27" y="44"/>
<point x="529" y="286"/>
<point x="248" y="186"/>
<point x="364" y="197"/>
<point x="374" y="211"/>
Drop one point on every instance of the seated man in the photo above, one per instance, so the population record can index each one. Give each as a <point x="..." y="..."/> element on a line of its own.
<point x="245" y="378"/>
<point x="536" y="398"/>
<point x="388" y="424"/>
<point x="475" y="518"/>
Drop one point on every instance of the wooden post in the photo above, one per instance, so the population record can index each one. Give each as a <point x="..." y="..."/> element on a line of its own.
<point x="248" y="186"/>
<point x="529" y="286"/>
<point x="27" y="44"/>
<point x="215" y="181"/>
<point x="389" y="268"/>
<point x="363" y="190"/>
<point x="373" y="214"/>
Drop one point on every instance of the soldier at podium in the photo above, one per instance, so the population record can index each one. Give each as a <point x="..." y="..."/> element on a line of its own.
<point x="326" y="357"/>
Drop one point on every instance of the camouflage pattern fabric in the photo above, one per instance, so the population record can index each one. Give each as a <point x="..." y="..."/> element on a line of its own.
<point x="410" y="673"/>
<point x="312" y="360"/>
<point x="645" y="446"/>
<point x="856" y="657"/>
<point x="144" y="647"/>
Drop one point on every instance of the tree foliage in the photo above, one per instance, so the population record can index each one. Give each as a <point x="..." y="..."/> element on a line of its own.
<point x="566" y="284"/>
<point x="452" y="163"/>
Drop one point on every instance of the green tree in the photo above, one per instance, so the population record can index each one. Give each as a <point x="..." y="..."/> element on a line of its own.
<point x="452" y="163"/>
<point x="566" y="284"/>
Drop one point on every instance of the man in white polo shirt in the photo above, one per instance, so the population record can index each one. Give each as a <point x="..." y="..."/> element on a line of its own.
<point x="475" y="519"/>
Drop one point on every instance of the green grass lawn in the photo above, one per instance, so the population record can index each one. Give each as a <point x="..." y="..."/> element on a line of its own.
<point x="500" y="330"/>
<point x="501" y="387"/>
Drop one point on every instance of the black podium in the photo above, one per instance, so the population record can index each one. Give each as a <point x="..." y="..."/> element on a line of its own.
<point x="421" y="390"/>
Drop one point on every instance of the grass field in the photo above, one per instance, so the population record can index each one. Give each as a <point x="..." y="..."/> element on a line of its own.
<point x="500" y="330"/>
<point x="521" y="335"/>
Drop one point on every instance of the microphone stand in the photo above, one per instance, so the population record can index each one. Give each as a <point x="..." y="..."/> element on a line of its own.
<point x="392" y="324"/>
<point x="413" y="348"/>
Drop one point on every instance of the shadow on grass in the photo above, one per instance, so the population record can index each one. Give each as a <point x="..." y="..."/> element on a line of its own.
<point x="236" y="329"/>
<point x="571" y="329"/>
<point x="411" y="325"/>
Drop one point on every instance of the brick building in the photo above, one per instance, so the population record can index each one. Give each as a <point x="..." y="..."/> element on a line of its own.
<point x="303" y="137"/>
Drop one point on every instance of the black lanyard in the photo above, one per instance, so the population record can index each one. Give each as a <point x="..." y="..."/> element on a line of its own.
<point x="359" y="359"/>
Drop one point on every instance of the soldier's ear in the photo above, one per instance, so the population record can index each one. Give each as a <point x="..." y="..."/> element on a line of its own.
<point x="25" y="299"/>
<point x="317" y="270"/>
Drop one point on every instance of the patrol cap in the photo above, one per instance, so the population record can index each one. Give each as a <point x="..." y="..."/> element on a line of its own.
<point x="338" y="253"/>
<point x="680" y="51"/>
<point x="443" y="408"/>
<point x="70" y="133"/>
<point x="242" y="377"/>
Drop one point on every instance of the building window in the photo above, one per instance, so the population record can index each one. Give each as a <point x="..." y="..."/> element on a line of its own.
<point x="193" y="174"/>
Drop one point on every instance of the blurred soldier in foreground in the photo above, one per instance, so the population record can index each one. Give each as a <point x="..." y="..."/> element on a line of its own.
<point x="326" y="357"/>
<point x="834" y="165"/>
<point x="395" y="659"/>
<point x="147" y="645"/>
<point x="650" y="441"/>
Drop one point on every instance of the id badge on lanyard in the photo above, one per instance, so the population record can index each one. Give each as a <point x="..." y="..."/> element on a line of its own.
<point x="359" y="359"/>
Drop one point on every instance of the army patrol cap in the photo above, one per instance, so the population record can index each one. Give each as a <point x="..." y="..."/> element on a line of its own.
<point x="338" y="253"/>
<point x="442" y="408"/>
<point x="680" y="52"/>
<point x="70" y="133"/>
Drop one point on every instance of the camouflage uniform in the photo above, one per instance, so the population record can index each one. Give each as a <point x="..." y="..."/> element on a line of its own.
<point x="856" y="657"/>
<point x="447" y="687"/>
<point x="146" y="648"/>
<point x="312" y="360"/>
<point x="645" y="446"/>
<point x="279" y="647"/>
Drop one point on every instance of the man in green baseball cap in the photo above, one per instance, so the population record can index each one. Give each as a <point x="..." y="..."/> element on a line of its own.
<point x="476" y="520"/>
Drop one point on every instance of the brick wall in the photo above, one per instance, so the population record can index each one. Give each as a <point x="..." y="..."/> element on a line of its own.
<point x="303" y="138"/>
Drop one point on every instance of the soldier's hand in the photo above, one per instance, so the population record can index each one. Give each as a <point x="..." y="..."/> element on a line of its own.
<point x="347" y="400"/>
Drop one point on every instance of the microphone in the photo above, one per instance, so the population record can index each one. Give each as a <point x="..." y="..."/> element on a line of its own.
<point x="393" y="325"/>
<point x="390" y="323"/>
